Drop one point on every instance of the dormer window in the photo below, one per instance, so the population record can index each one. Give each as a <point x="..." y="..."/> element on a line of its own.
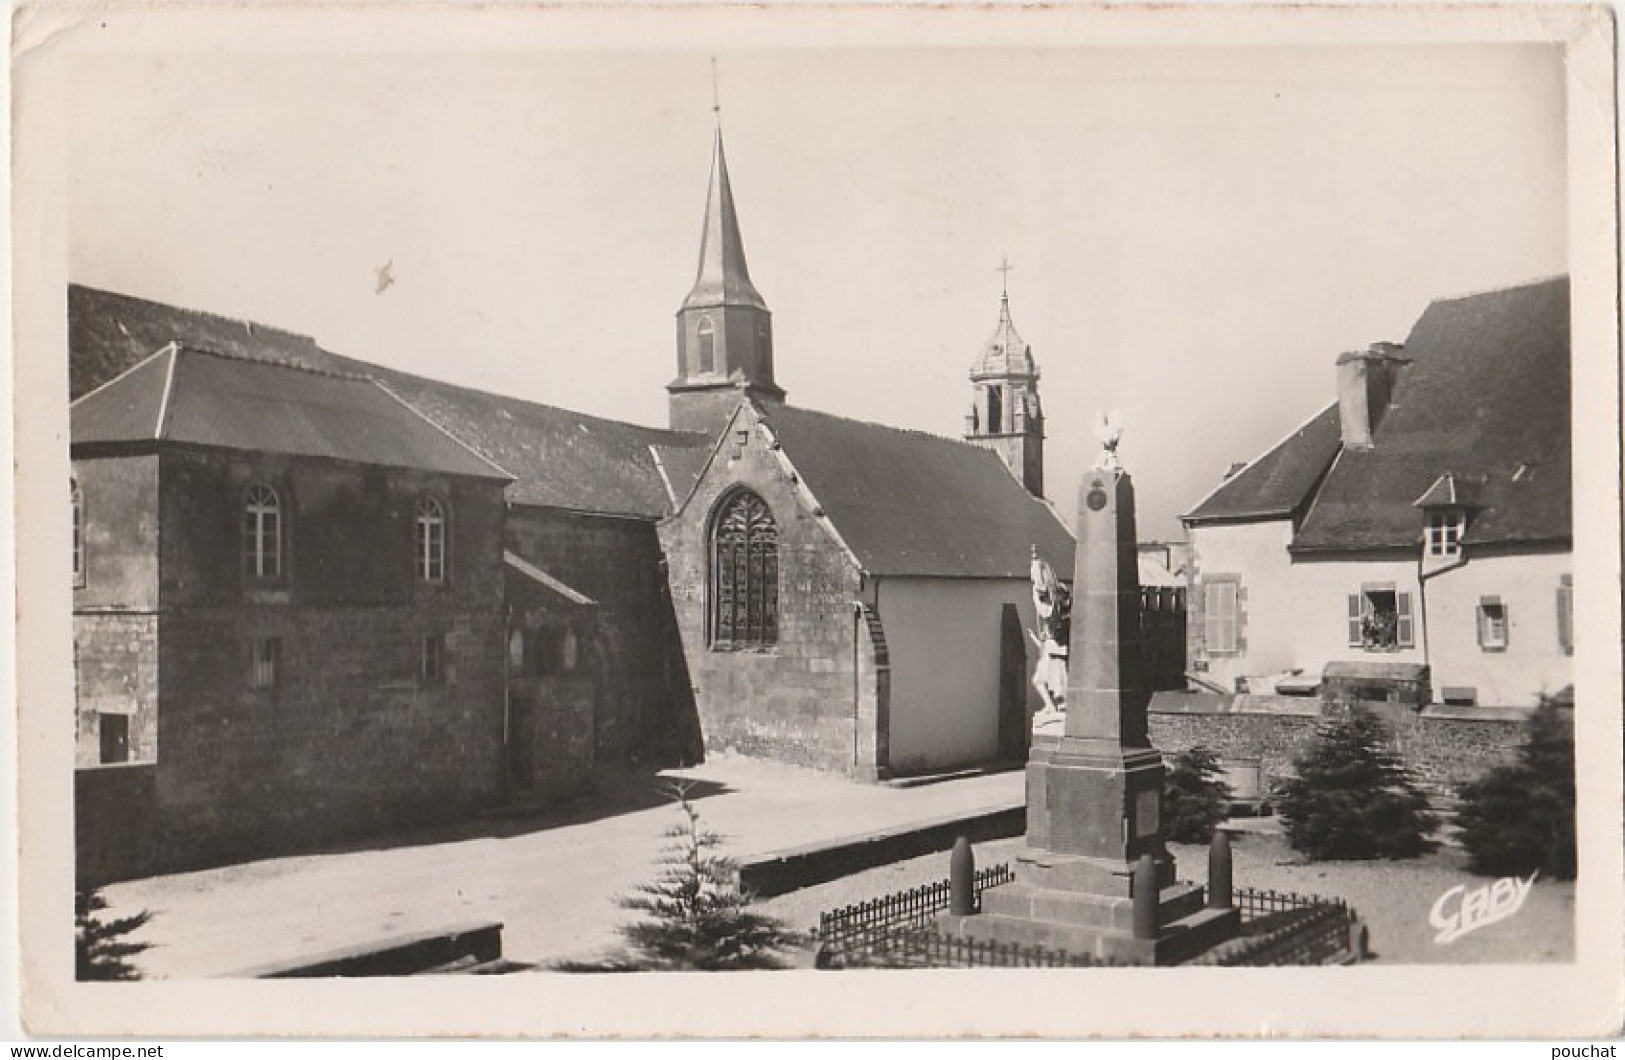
<point x="1444" y="512"/>
<point x="1444" y="532"/>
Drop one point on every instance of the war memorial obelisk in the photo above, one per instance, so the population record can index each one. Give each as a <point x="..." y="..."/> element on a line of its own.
<point x="1094" y="794"/>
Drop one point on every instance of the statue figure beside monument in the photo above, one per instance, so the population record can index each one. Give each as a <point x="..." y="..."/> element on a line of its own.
<point x="1053" y="605"/>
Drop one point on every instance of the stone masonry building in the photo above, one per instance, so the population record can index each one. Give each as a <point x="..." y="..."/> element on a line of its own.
<point x="317" y="598"/>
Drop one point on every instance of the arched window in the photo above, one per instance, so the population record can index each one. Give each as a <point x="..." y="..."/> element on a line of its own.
<point x="995" y="410"/>
<point x="431" y="540"/>
<point x="744" y="574"/>
<point x="262" y="532"/>
<point x="708" y="345"/>
<point x="77" y="500"/>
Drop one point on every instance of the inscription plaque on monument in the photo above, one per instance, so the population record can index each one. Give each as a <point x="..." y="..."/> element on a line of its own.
<point x="1148" y="814"/>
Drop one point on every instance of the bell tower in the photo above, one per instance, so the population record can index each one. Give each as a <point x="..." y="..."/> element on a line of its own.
<point x="724" y="329"/>
<point x="1005" y="415"/>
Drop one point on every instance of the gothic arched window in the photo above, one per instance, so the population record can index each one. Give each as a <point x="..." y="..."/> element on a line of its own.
<point x="706" y="333"/>
<point x="995" y="410"/>
<point x="744" y="574"/>
<point x="262" y="532"/>
<point x="431" y="540"/>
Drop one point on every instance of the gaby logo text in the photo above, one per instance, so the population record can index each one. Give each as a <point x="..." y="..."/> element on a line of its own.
<point x="1460" y="910"/>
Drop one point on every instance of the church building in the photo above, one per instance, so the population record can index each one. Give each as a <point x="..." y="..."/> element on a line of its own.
<point x="316" y="597"/>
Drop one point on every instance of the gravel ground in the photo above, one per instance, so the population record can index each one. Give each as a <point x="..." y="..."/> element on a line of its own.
<point x="1393" y="897"/>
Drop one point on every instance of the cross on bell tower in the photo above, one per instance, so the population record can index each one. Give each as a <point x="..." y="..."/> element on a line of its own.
<point x="1005" y="414"/>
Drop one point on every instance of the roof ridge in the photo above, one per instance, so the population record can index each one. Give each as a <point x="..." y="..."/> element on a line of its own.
<point x="929" y="435"/>
<point x="251" y="325"/>
<point x="1227" y="480"/>
<point x="188" y="346"/>
<point x="1480" y="292"/>
<point x="668" y="435"/>
<point x="137" y="366"/>
<point x="414" y="410"/>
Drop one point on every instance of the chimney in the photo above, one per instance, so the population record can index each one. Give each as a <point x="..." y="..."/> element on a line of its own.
<point x="1365" y="386"/>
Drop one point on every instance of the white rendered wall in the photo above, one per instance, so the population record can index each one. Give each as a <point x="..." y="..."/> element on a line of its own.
<point x="1533" y="661"/>
<point x="1296" y="613"/>
<point x="943" y="638"/>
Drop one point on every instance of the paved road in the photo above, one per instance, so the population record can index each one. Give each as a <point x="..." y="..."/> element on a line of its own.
<point x="552" y="881"/>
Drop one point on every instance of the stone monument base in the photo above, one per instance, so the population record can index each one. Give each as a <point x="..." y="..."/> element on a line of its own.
<point x="1086" y="906"/>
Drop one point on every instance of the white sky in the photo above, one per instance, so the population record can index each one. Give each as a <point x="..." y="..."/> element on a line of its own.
<point x="1196" y="232"/>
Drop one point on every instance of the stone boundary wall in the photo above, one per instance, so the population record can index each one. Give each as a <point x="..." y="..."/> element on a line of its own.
<point x="1443" y="746"/>
<point x="115" y="823"/>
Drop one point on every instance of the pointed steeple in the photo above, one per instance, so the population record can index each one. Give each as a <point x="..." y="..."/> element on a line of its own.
<point x="724" y="329"/>
<point x="723" y="277"/>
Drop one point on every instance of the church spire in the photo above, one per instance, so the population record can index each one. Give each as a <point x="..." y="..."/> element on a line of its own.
<point x="1005" y="414"/>
<point x="723" y="277"/>
<point x="724" y="329"/>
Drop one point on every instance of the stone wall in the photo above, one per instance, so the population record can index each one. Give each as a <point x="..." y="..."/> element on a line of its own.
<point x="350" y="740"/>
<point x="120" y="533"/>
<point x="115" y="659"/>
<point x="350" y="743"/>
<point x="115" y="824"/>
<point x="642" y="706"/>
<point x="1442" y="746"/>
<point x="798" y="700"/>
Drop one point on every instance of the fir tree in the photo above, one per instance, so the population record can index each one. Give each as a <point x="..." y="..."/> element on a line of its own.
<point x="1194" y="799"/>
<point x="695" y="915"/>
<point x="100" y="947"/>
<point x="1352" y="798"/>
<point x="1519" y="817"/>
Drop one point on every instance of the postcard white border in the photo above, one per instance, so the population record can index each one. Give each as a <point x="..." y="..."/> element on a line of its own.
<point x="1586" y="998"/>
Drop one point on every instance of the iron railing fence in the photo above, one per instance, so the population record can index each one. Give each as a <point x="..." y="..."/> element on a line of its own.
<point x="913" y="908"/>
<point x="924" y="948"/>
<point x="894" y="931"/>
<point x="1285" y="928"/>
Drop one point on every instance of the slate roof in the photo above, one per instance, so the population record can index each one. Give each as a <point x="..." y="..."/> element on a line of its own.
<point x="914" y="504"/>
<point x="560" y="458"/>
<point x="197" y="397"/>
<point x="1279" y="483"/>
<point x="1485" y="400"/>
<point x="108" y="333"/>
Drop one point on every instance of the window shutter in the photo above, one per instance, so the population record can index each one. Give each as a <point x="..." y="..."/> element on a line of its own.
<point x="1407" y="627"/>
<point x="1241" y="620"/>
<point x="1355" y="639"/>
<point x="1565" y="614"/>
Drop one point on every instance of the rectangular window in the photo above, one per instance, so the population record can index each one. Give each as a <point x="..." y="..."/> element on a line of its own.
<point x="431" y="659"/>
<point x="1492" y="624"/>
<point x="1444" y="534"/>
<point x="78" y="503"/>
<point x="1221" y="618"/>
<point x="1565" y="614"/>
<point x="1380" y="619"/>
<point x="115" y="737"/>
<point x="265" y="653"/>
